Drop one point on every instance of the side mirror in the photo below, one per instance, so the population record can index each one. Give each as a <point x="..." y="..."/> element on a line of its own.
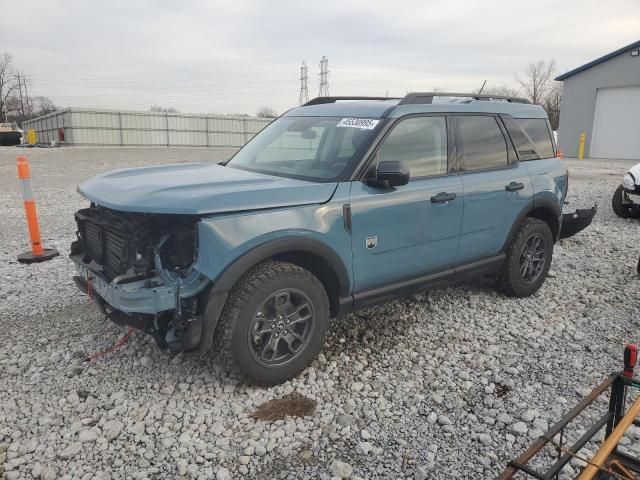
<point x="392" y="174"/>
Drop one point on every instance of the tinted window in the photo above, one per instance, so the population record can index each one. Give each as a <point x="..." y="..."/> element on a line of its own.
<point x="483" y="145"/>
<point x="538" y="132"/>
<point x="420" y="142"/>
<point x="522" y="142"/>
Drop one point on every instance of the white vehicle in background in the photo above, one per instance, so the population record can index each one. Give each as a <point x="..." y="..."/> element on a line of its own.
<point x="626" y="199"/>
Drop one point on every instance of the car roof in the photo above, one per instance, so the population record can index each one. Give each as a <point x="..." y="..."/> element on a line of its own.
<point x="360" y="107"/>
<point x="346" y="108"/>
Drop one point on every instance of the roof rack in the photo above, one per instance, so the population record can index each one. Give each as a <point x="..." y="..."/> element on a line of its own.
<point x="427" y="97"/>
<point x="321" y="100"/>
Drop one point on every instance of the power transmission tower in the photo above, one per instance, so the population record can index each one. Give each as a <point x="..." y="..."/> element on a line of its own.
<point x="26" y="95"/>
<point x="21" y="102"/>
<point x="324" y="77"/>
<point x="304" y="84"/>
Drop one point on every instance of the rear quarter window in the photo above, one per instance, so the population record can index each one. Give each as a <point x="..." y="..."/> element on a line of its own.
<point x="537" y="129"/>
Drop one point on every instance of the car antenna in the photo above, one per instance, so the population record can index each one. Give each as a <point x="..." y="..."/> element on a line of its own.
<point x="482" y="87"/>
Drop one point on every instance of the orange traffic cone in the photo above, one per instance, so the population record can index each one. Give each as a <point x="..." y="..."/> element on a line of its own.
<point x="38" y="253"/>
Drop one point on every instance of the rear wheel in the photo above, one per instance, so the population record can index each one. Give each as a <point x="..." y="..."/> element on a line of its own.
<point x="528" y="259"/>
<point x="274" y="322"/>
<point x="618" y="204"/>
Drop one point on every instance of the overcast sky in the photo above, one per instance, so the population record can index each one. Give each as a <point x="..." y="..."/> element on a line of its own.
<point x="235" y="56"/>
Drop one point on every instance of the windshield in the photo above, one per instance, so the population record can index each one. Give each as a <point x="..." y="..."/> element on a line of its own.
<point x="309" y="148"/>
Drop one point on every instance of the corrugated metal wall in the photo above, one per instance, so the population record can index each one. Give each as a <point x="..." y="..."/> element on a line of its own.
<point x="125" y="128"/>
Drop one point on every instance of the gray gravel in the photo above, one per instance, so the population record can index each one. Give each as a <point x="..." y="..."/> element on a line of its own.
<point x="451" y="384"/>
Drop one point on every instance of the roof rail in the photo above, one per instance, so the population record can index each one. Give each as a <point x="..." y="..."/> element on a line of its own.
<point x="321" y="100"/>
<point x="427" y="97"/>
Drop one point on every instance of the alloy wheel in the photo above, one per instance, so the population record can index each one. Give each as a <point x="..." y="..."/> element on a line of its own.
<point x="281" y="327"/>
<point x="533" y="258"/>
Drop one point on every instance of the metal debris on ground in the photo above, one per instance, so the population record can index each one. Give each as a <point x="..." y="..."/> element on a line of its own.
<point x="609" y="462"/>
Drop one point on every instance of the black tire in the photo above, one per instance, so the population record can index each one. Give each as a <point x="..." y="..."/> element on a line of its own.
<point x="247" y="300"/>
<point x="619" y="208"/>
<point x="512" y="280"/>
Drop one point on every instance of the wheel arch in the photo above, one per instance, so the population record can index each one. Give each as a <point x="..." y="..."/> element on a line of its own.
<point x="543" y="209"/>
<point x="549" y="217"/>
<point x="313" y="255"/>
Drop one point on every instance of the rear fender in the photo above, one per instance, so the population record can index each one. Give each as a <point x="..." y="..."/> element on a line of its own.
<point x="544" y="207"/>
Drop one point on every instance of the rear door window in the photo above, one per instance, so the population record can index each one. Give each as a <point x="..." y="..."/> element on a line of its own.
<point x="538" y="131"/>
<point x="482" y="144"/>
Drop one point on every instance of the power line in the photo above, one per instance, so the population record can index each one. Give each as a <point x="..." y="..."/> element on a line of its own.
<point x="304" y="84"/>
<point x="324" y="77"/>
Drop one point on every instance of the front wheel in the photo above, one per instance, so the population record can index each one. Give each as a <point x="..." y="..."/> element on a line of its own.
<point x="274" y="322"/>
<point x="528" y="259"/>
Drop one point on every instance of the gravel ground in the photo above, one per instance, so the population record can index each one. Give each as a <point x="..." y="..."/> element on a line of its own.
<point x="451" y="384"/>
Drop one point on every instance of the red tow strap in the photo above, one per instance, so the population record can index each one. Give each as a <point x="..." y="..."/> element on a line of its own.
<point x="119" y="344"/>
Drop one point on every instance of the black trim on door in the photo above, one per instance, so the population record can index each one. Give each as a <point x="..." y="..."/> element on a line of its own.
<point x="452" y="149"/>
<point x="403" y="288"/>
<point x="346" y="214"/>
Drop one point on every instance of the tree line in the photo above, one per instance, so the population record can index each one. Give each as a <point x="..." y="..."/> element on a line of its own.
<point x="536" y="84"/>
<point x="15" y="103"/>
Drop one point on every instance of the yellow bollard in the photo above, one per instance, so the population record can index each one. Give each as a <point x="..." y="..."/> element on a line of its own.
<point x="581" y="146"/>
<point x="31" y="136"/>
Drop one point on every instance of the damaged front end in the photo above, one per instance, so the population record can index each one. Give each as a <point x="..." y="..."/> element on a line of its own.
<point x="139" y="268"/>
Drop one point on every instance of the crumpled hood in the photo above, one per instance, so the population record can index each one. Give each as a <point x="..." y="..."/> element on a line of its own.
<point x="194" y="188"/>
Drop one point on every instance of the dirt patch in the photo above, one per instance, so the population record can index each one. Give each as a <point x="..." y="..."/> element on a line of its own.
<point x="292" y="405"/>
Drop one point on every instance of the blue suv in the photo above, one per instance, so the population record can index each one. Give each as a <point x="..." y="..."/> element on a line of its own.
<point x="338" y="205"/>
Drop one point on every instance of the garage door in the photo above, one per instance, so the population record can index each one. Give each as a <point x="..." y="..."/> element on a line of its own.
<point x="616" y="126"/>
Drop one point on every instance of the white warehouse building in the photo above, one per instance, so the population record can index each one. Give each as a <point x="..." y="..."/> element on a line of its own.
<point x="602" y="100"/>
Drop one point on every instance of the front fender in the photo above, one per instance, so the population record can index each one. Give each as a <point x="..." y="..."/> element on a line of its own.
<point x="230" y="245"/>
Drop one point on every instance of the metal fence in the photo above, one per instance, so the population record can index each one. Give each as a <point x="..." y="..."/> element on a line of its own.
<point x="126" y="128"/>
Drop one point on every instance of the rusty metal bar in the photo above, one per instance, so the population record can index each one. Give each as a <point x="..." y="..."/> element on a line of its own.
<point x="539" y="444"/>
<point x="526" y="469"/>
<point x="575" y="448"/>
<point x="611" y="443"/>
<point x="628" y="461"/>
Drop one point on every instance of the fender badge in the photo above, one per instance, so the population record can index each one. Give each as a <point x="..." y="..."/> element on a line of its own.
<point x="371" y="242"/>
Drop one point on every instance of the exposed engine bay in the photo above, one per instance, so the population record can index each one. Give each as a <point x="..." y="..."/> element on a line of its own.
<point x="156" y="252"/>
<point x="123" y="243"/>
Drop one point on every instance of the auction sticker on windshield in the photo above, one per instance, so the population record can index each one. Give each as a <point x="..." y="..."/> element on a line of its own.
<point x="361" y="123"/>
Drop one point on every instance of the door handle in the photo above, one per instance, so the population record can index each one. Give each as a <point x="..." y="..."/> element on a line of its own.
<point x="443" y="197"/>
<point x="513" y="186"/>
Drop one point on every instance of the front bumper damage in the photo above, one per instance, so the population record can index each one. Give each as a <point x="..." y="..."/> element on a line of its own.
<point x="631" y="197"/>
<point x="147" y="304"/>
<point x="577" y="221"/>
